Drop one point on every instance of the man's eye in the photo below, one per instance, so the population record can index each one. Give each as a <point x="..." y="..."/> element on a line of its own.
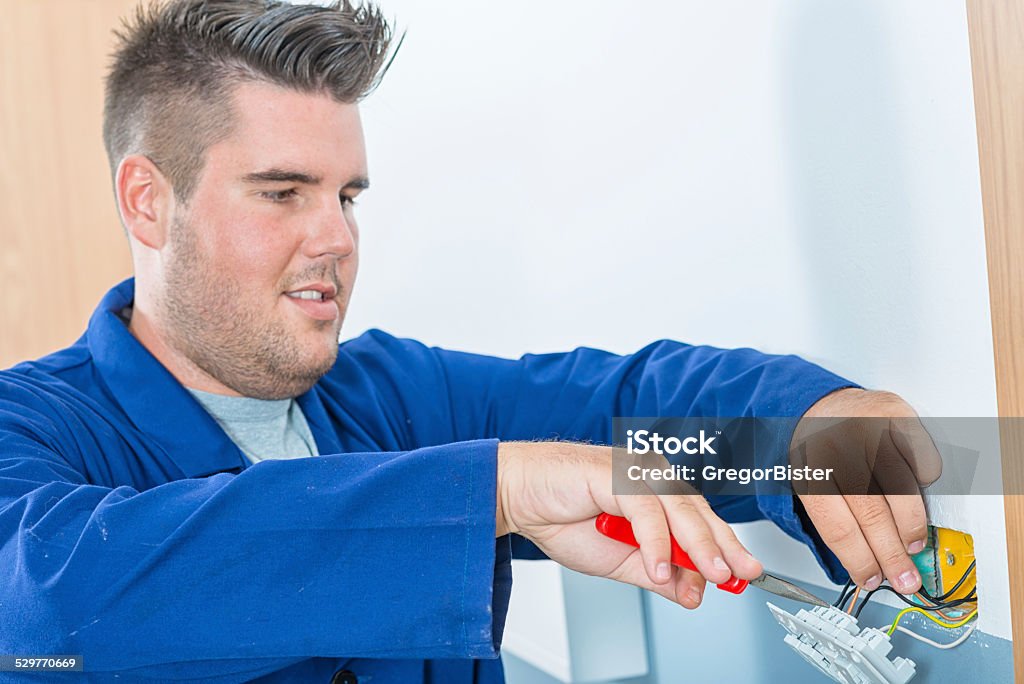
<point x="278" y="195"/>
<point x="345" y="199"/>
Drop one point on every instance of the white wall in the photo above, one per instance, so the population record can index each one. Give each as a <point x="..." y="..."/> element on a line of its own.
<point x="794" y="175"/>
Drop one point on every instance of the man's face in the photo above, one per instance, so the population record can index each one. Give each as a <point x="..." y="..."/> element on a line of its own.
<point x="261" y="262"/>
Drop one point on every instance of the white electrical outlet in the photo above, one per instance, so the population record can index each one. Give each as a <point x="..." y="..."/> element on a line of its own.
<point x="833" y="642"/>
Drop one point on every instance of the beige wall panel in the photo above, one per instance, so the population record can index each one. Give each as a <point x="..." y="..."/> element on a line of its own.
<point x="997" y="62"/>
<point x="61" y="245"/>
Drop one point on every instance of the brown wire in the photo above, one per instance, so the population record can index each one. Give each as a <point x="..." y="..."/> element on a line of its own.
<point x="964" y="609"/>
<point x="853" y="601"/>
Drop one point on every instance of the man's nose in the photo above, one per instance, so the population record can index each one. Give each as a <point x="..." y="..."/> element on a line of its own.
<point x="333" y="232"/>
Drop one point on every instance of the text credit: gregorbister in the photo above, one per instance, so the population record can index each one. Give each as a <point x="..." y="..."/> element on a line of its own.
<point x="683" y="473"/>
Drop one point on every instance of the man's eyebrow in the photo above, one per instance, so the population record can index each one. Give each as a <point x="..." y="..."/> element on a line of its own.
<point x="281" y="176"/>
<point x="287" y="176"/>
<point x="360" y="183"/>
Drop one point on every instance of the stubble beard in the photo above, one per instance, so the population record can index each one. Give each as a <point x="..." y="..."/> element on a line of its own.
<point x="207" y="321"/>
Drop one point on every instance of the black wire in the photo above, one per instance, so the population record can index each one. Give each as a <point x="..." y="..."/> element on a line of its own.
<point x="842" y="595"/>
<point x="940" y="599"/>
<point x="942" y="606"/>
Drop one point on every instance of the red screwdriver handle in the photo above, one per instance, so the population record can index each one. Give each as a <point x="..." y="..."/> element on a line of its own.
<point x="619" y="529"/>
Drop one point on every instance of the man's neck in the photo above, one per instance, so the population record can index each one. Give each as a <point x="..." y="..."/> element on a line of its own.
<point x="145" y="329"/>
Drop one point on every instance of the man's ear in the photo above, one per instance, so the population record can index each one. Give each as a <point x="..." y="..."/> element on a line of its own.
<point x="144" y="198"/>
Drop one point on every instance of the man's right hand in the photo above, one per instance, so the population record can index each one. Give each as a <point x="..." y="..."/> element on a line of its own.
<point x="550" y="493"/>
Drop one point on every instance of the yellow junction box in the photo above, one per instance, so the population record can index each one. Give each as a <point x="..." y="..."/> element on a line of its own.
<point x="954" y="552"/>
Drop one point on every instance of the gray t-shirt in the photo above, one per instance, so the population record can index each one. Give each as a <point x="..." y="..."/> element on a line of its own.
<point x="263" y="429"/>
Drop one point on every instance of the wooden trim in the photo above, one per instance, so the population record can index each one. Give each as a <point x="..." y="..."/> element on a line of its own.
<point x="61" y="243"/>
<point x="997" y="62"/>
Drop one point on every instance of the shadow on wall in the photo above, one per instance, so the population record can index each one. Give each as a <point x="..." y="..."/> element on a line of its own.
<point x="848" y="173"/>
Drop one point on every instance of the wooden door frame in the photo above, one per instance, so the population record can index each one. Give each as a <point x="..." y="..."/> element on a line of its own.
<point x="996" y="30"/>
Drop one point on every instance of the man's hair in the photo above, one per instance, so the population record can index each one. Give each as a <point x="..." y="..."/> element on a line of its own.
<point x="168" y="92"/>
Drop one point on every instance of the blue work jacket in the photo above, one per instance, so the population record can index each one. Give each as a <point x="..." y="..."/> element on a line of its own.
<point x="135" y="533"/>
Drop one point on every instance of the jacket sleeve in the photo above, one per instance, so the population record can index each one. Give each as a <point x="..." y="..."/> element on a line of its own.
<point x="246" y="572"/>
<point x="575" y="395"/>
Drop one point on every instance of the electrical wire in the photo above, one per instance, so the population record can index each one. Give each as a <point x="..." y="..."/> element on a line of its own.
<point x="865" y="602"/>
<point x="842" y="594"/>
<point x="953" y="644"/>
<point x="906" y="600"/>
<point x="853" y="600"/>
<point x="943" y="608"/>
<point x="938" y="606"/>
<point x="947" y="625"/>
<point x="939" y="599"/>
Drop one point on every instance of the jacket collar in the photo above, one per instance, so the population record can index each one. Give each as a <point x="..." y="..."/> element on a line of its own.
<point x="161" y="408"/>
<point x="158" y="405"/>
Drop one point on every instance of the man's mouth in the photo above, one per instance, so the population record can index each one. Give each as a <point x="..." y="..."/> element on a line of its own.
<point x="317" y="301"/>
<point x="307" y="294"/>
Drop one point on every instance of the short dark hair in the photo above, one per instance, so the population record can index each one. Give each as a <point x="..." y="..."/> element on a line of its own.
<point x="177" y="63"/>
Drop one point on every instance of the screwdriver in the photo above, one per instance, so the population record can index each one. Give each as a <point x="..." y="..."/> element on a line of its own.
<point x="620" y="529"/>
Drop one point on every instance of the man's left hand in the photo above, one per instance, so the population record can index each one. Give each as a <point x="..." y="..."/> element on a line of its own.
<point x="873" y="535"/>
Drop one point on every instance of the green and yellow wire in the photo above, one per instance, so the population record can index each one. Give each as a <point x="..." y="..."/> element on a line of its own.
<point x="948" y="625"/>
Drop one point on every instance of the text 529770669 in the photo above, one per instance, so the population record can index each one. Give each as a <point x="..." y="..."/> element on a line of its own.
<point x="41" y="663"/>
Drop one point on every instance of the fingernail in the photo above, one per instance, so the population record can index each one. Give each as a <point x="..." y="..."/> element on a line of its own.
<point x="907" y="579"/>
<point x="873" y="583"/>
<point x="694" y="594"/>
<point x="915" y="547"/>
<point x="664" y="571"/>
<point x="719" y="563"/>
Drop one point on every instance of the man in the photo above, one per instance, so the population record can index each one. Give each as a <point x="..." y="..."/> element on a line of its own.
<point x="206" y="486"/>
